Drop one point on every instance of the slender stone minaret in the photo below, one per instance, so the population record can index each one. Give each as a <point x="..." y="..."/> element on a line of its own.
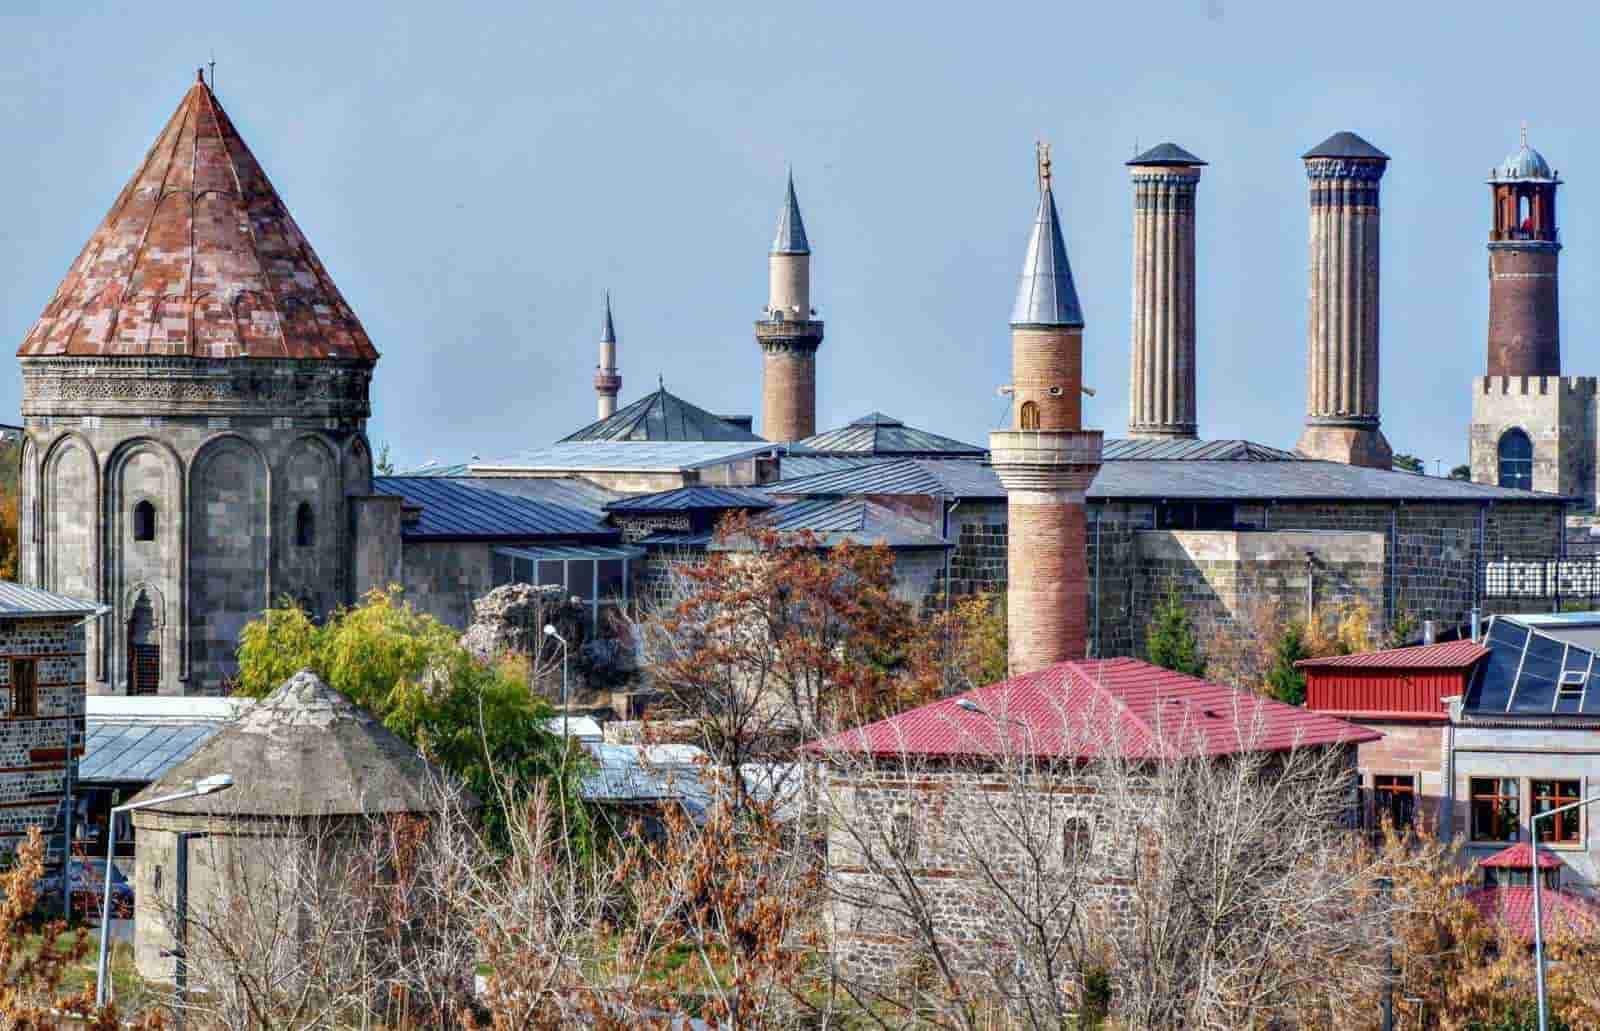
<point x="1161" y="398"/>
<point x="1047" y="459"/>
<point x="607" y="380"/>
<point x="789" y="335"/>
<point x="1342" y="327"/>
<point x="1524" y="249"/>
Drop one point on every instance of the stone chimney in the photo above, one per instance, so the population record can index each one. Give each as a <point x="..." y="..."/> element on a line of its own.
<point x="1161" y="398"/>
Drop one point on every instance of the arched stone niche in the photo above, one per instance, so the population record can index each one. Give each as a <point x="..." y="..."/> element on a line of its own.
<point x="230" y="544"/>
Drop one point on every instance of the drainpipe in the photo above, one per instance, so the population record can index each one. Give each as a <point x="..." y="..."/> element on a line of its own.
<point x="948" y="503"/>
<point x="1096" y="634"/>
<point x="1311" y="586"/>
<point x="1394" y="558"/>
<point x="1477" y="566"/>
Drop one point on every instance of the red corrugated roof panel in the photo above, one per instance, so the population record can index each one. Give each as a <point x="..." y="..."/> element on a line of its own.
<point x="1458" y="655"/>
<point x="1098" y="707"/>
<point x="1562" y="911"/>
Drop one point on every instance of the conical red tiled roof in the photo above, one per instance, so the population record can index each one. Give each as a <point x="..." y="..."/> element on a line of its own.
<point x="198" y="258"/>
<point x="1520" y="857"/>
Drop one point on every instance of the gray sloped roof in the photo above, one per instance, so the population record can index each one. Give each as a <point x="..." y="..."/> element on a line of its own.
<point x="687" y="499"/>
<point x="879" y="434"/>
<point x="795" y="464"/>
<point x="1133" y="449"/>
<point x="855" y="519"/>
<point x="791" y="235"/>
<point x="627" y="456"/>
<point x="1166" y="154"/>
<point x="304" y="751"/>
<point x="661" y="416"/>
<point x="927" y="476"/>
<point x="1304" y="480"/>
<point x="1045" y="294"/>
<point x="138" y="751"/>
<point x="1345" y="145"/>
<point x="454" y="509"/>
<point x="17" y="601"/>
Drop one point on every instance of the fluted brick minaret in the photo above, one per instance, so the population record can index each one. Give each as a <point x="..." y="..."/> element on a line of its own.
<point x="1524" y="249"/>
<point x="1342" y="327"/>
<point x="1161" y="396"/>
<point x="607" y="380"/>
<point x="789" y="335"/>
<point x="1046" y="459"/>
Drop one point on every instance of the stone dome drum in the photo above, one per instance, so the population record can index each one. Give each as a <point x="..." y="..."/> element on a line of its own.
<point x="199" y="258"/>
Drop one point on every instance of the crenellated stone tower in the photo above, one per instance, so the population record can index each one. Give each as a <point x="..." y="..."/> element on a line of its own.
<point x="1161" y="397"/>
<point x="1532" y="427"/>
<point x="1047" y="459"/>
<point x="790" y="334"/>
<point x="607" y="380"/>
<point x="195" y="402"/>
<point x="1342" y="324"/>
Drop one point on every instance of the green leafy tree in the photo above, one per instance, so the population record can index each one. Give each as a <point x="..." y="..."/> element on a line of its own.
<point x="479" y="721"/>
<point x="1286" y="683"/>
<point x="1461" y="472"/>
<point x="1409" y="463"/>
<point x="384" y="465"/>
<point x="1171" y="640"/>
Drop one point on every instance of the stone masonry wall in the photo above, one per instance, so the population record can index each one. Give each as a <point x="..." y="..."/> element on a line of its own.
<point x="33" y="749"/>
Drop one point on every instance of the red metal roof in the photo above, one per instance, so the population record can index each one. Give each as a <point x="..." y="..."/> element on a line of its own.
<point x="198" y="258"/>
<point x="1458" y="655"/>
<point x="1562" y="911"/>
<point x="1520" y="857"/>
<point x="1098" y="707"/>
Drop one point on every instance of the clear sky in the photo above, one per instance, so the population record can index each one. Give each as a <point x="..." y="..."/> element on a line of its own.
<point x="475" y="176"/>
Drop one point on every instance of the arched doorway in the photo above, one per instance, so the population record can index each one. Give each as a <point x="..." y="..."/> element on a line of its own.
<point x="144" y="648"/>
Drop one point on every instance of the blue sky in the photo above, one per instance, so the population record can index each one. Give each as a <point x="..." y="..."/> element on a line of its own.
<point x="476" y="175"/>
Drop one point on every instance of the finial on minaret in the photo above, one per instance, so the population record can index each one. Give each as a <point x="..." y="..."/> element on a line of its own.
<point x="1042" y="154"/>
<point x="1524" y="132"/>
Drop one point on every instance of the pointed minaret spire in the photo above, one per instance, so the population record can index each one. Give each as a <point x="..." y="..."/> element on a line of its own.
<point x="790" y="333"/>
<point x="607" y="380"/>
<point x="1046" y="296"/>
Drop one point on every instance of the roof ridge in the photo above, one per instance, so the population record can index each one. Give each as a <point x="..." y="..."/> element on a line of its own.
<point x="1097" y="686"/>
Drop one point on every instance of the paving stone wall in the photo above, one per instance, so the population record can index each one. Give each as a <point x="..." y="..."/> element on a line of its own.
<point x="33" y="748"/>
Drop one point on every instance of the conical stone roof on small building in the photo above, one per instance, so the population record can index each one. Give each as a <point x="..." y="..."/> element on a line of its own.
<point x="199" y="258"/>
<point x="304" y="751"/>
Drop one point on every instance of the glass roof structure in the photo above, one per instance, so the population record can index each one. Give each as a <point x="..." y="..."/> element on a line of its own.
<point x="1530" y="673"/>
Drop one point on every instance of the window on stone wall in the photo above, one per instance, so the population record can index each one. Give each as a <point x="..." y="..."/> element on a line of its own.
<point x="1553" y="794"/>
<point x="1077" y="838"/>
<point x="144" y="521"/>
<point x="1394" y="797"/>
<point x="1516" y="460"/>
<point x="902" y="836"/>
<point x="1496" y="809"/>
<point x="1030" y="415"/>
<point x="24" y="688"/>
<point x="305" y="525"/>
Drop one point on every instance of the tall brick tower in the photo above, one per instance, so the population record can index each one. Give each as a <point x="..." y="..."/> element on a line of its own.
<point x="1161" y="398"/>
<point x="1046" y="459"/>
<point x="1342" y="326"/>
<point x="607" y="380"/>
<point x="789" y="335"/>
<point x="1524" y="310"/>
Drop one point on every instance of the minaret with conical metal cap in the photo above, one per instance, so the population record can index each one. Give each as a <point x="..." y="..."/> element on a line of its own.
<point x="607" y="380"/>
<point x="1161" y="398"/>
<point x="789" y="334"/>
<point x="1342" y="323"/>
<point x="1046" y="460"/>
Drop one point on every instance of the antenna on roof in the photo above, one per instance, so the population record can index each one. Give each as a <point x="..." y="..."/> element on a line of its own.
<point x="661" y="381"/>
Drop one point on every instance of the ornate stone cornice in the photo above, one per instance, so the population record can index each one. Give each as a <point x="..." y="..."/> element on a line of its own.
<point x="1031" y="460"/>
<point x="1345" y="168"/>
<point x="797" y="337"/>
<point x="168" y="386"/>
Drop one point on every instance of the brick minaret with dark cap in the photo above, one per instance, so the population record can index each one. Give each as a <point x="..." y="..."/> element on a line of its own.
<point x="1524" y="248"/>
<point x="607" y="380"/>
<point x="1161" y="397"/>
<point x="789" y="335"/>
<point x="1046" y="459"/>
<point x="1342" y="325"/>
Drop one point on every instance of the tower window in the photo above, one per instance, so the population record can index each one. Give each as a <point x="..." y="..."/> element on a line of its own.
<point x="144" y="521"/>
<point x="305" y="525"/>
<point x="1516" y="460"/>
<point x="1030" y="415"/>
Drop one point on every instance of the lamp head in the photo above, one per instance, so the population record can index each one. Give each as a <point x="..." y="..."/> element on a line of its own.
<point x="214" y="783"/>
<point x="549" y="630"/>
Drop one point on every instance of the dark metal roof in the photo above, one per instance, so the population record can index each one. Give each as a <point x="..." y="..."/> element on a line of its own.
<point x="1345" y="145"/>
<point x="1531" y="673"/>
<point x="1046" y="296"/>
<point x="1288" y="481"/>
<point x="927" y="477"/>
<point x="794" y="465"/>
<point x="608" y="333"/>
<point x="629" y="456"/>
<point x="879" y="434"/>
<point x="433" y="468"/>
<point x="139" y="751"/>
<point x="1137" y="450"/>
<point x="571" y="491"/>
<point x="1166" y="154"/>
<point x="456" y="510"/>
<point x="18" y="601"/>
<point x="661" y="417"/>
<point x="791" y="236"/>
<point x="688" y="499"/>
<point x="855" y="519"/>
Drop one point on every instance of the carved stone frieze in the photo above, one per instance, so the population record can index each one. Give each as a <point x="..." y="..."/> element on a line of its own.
<point x="182" y="386"/>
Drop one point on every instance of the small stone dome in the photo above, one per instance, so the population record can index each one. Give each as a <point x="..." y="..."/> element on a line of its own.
<point x="1524" y="163"/>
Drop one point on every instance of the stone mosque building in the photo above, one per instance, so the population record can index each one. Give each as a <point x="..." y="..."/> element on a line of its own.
<point x="196" y="396"/>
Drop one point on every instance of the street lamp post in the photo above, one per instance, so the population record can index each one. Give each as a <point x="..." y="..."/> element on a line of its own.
<point x="550" y="631"/>
<point x="1538" y="907"/>
<point x="204" y="786"/>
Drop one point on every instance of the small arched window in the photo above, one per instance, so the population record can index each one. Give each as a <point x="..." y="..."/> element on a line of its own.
<point x="1030" y="415"/>
<point x="144" y="521"/>
<point x="1516" y="460"/>
<point x="305" y="525"/>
